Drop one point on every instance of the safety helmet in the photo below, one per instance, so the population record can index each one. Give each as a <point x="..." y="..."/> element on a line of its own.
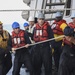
<point x="58" y="14"/>
<point x="67" y="31"/>
<point x="73" y="16"/>
<point x="25" y="24"/>
<point x="1" y="23"/>
<point x="15" y="25"/>
<point x="31" y="18"/>
<point x="41" y="15"/>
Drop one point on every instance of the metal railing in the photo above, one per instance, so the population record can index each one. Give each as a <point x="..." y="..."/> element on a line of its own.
<point x="13" y="10"/>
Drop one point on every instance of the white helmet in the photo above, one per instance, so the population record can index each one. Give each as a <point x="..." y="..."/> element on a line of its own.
<point x="73" y="16"/>
<point x="58" y="14"/>
<point x="31" y="18"/>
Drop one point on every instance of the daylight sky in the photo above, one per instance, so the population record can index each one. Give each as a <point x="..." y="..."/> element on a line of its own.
<point x="9" y="17"/>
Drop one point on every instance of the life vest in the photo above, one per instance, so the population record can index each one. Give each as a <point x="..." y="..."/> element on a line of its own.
<point x="18" y="40"/>
<point x="4" y="39"/>
<point x="65" y="40"/>
<point x="71" y="25"/>
<point x="40" y="32"/>
<point x="31" y="28"/>
<point x="56" y="27"/>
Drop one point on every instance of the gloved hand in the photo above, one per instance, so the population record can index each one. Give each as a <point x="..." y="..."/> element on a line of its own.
<point x="13" y="49"/>
<point x="27" y="45"/>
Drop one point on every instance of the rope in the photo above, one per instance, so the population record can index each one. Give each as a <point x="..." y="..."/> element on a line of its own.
<point x="42" y="42"/>
<point x="36" y="10"/>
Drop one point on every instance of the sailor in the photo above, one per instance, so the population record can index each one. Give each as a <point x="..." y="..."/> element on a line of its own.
<point x="26" y="26"/>
<point x="22" y="56"/>
<point x="58" y="27"/>
<point x="31" y="24"/>
<point x="5" y="48"/>
<point x="31" y="21"/>
<point x="41" y="53"/>
<point x="67" y="59"/>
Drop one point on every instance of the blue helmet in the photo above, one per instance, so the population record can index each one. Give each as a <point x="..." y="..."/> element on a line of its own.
<point x="26" y="24"/>
<point x="15" y="25"/>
